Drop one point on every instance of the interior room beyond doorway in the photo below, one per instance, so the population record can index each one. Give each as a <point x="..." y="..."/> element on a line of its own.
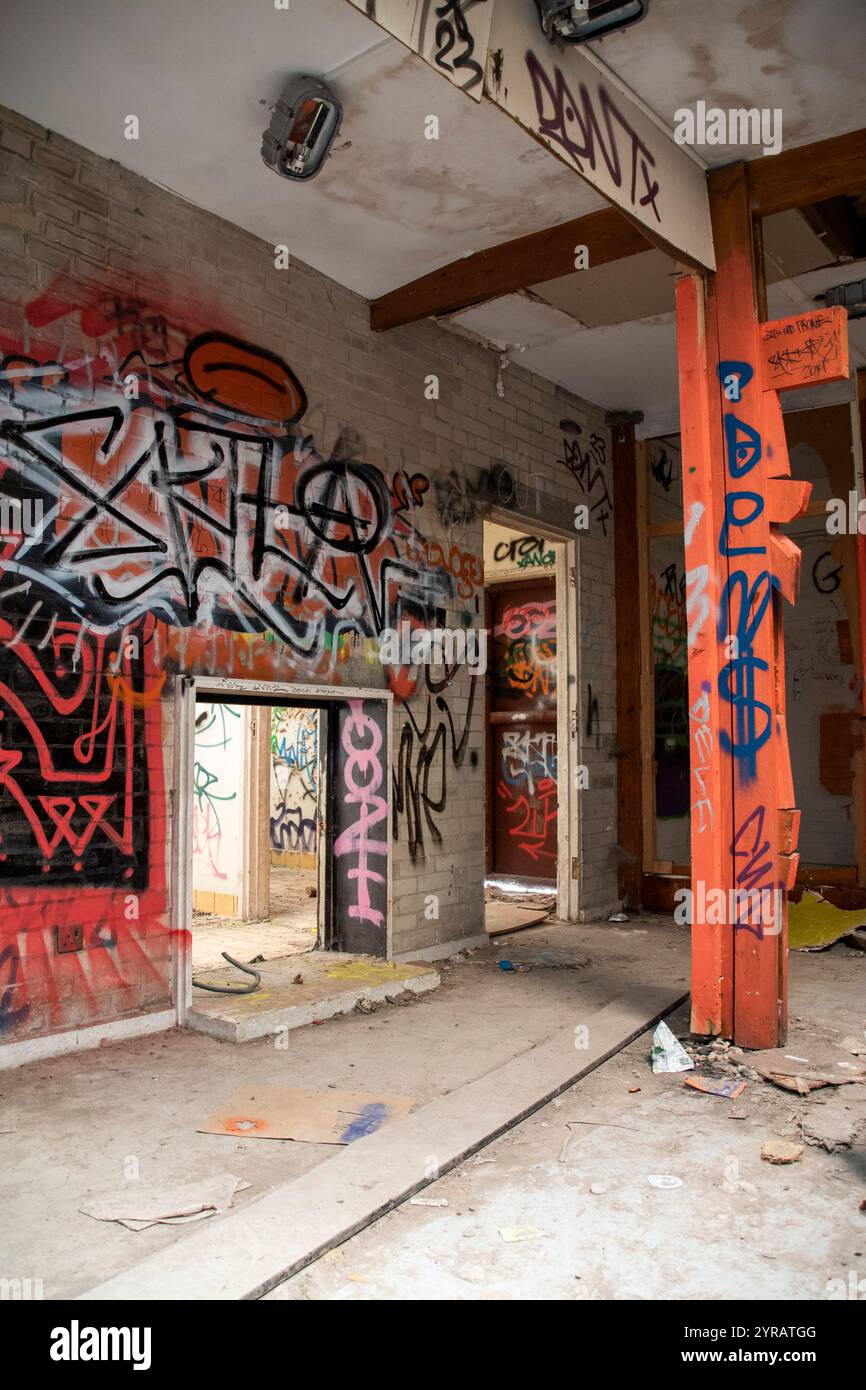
<point x="256" y="828"/>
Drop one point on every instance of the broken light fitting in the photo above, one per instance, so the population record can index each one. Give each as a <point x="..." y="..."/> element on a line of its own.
<point x="305" y="122"/>
<point x="579" y="23"/>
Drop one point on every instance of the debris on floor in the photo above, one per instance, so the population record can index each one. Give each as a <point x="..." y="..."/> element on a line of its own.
<point x="833" y="1123"/>
<point x="500" y="917"/>
<point x="309" y="1117"/>
<point x="781" y="1151"/>
<point x="814" y="924"/>
<point x="668" y="1054"/>
<point x="512" y="1234"/>
<point x="825" y="1065"/>
<point x="663" y="1180"/>
<point x="721" y="1086"/>
<point x="140" y="1205"/>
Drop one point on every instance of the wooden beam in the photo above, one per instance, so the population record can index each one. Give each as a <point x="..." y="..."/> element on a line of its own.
<point x="710" y="779"/>
<point x="511" y="266"/>
<point x="808" y="174"/>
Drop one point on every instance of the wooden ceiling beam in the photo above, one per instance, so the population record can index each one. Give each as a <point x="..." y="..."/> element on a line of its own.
<point x="511" y="266"/>
<point x="808" y="174"/>
<point x="795" y="178"/>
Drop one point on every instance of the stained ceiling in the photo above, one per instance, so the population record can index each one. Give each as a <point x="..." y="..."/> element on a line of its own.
<point x="391" y="205"/>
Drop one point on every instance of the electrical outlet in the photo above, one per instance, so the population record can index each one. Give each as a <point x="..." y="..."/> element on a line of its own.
<point x="68" y="939"/>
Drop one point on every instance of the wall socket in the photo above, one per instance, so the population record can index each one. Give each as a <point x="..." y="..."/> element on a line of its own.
<point x="68" y="939"/>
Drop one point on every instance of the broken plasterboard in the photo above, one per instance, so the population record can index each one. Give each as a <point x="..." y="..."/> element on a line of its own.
<point x="819" y="1064"/>
<point x="310" y="1117"/>
<point x="814" y="924"/>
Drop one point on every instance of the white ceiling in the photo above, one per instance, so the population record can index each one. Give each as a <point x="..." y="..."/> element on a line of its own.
<point x="390" y="205"/>
<point x="805" y="57"/>
<point x="200" y="75"/>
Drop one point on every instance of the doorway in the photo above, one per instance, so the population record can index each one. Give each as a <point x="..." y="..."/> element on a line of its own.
<point x="533" y="736"/>
<point x="257" y="828"/>
<point x="242" y="750"/>
<point x="522" y="732"/>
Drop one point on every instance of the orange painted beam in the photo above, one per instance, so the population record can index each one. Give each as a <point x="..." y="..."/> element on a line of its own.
<point x="737" y="491"/>
<point x="703" y="512"/>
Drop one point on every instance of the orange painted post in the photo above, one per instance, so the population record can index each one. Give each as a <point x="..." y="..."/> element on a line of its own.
<point x="737" y="481"/>
<point x="703" y="511"/>
<point x="860" y="485"/>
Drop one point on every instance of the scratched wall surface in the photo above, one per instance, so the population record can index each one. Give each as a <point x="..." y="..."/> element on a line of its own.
<point x="238" y="478"/>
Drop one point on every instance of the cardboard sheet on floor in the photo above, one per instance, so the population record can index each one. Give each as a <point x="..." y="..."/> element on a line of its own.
<point x="500" y="918"/>
<point x="310" y="1117"/>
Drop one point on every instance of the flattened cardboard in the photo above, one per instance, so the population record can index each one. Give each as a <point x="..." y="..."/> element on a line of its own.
<point x="309" y="1117"/>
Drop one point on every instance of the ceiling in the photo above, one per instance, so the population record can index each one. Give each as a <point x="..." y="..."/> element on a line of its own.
<point x="200" y="75"/>
<point x="609" y="334"/>
<point x="804" y="57"/>
<point x="390" y="205"/>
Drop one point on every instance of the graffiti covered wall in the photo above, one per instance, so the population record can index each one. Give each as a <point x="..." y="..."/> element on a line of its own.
<point x="236" y="477"/>
<point x="294" y="787"/>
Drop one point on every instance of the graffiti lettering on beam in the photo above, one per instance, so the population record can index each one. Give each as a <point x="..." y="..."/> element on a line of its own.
<point x="450" y="35"/>
<point x="203" y="502"/>
<point x="592" y="130"/>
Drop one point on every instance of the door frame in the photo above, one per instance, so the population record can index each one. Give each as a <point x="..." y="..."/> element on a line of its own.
<point x="569" y="728"/>
<point x="182" y="793"/>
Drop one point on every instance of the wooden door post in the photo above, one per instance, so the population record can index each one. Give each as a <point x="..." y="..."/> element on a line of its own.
<point x="736" y="490"/>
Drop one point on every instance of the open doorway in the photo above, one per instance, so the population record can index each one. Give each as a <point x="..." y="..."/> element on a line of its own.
<point x="257" y="826"/>
<point x="528" y="802"/>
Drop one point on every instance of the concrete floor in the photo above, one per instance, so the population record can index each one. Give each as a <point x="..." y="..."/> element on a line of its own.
<point x="737" y="1227"/>
<point x="87" y="1124"/>
<point x="290" y="929"/>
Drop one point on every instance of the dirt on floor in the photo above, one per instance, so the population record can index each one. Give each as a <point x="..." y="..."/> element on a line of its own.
<point x="560" y="1207"/>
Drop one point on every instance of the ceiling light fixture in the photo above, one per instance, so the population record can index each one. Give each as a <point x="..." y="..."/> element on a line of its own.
<point x="852" y="296"/>
<point x="304" y="125"/>
<point x="584" y="20"/>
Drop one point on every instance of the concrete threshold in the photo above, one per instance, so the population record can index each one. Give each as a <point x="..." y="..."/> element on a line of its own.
<point x="248" y="1252"/>
<point x="330" y="983"/>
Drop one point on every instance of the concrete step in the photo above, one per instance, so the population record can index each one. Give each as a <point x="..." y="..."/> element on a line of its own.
<point x="332" y="983"/>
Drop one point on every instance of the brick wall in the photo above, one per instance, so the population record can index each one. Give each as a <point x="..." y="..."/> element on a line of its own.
<point x="115" y="278"/>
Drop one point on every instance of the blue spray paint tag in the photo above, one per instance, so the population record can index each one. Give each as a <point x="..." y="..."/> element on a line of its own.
<point x="371" y="1118"/>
